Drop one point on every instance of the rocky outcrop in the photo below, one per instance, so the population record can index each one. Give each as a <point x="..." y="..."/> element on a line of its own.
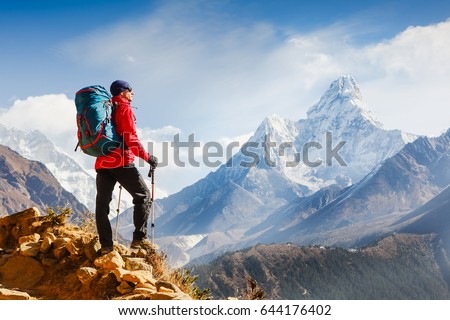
<point x="63" y="262"/>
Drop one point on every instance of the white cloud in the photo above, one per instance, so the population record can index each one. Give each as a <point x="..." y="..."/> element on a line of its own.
<point x="158" y="135"/>
<point x="55" y="116"/>
<point x="406" y="79"/>
<point x="52" y="114"/>
<point x="416" y="53"/>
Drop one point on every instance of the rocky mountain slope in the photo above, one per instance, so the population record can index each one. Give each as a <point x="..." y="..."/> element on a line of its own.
<point x="398" y="267"/>
<point x="25" y="183"/>
<point x="434" y="217"/>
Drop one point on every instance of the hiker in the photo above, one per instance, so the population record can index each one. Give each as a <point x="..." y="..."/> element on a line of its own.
<point x="118" y="166"/>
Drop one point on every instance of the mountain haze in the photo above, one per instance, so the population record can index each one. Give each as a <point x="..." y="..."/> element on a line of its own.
<point x="399" y="185"/>
<point x="283" y="163"/>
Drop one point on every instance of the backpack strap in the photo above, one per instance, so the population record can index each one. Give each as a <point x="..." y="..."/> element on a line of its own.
<point x="113" y="122"/>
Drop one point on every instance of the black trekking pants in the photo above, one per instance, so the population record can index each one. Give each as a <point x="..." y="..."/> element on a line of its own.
<point x="130" y="179"/>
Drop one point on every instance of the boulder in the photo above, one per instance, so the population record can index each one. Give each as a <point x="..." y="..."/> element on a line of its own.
<point x="6" y="294"/>
<point x="91" y="249"/>
<point x="30" y="249"/>
<point x="47" y="241"/>
<point x="21" y="272"/>
<point x="161" y="285"/>
<point x="139" y="276"/>
<point x="14" y="226"/>
<point x="137" y="264"/>
<point x="146" y="286"/>
<point x="124" y="288"/>
<point x="19" y="217"/>
<point x="119" y="273"/>
<point x="134" y="276"/>
<point x="143" y="290"/>
<point x="59" y="247"/>
<point x="75" y="246"/>
<point x="31" y="238"/>
<point x="86" y="274"/>
<point x="110" y="261"/>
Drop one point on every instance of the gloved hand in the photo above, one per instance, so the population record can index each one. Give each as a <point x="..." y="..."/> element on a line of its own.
<point x="153" y="161"/>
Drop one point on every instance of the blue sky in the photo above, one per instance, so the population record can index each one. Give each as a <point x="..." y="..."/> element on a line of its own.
<point x="32" y="32"/>
<point x="218" y="68"/>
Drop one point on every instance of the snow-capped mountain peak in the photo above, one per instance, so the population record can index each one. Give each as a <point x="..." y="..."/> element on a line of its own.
<point x="278" y="129"/>
<point x="343" y="100"/>
<point x="346" y="86"/>
<point x="299" y="149"/>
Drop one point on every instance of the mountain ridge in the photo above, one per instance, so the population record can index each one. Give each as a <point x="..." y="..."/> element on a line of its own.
<point x="400" y="184"/>
<point x="397" y="267"/>
<point x="34" y="145"/>
<point x="25" y="183"/>
<point x="281" y="175"/>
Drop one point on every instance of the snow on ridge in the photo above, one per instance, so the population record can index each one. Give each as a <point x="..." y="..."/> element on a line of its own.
<point x="34" y="145"/>
<point x="343" y="97"/>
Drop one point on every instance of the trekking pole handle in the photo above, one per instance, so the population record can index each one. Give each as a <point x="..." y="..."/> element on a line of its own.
<point x="151" y="172"/>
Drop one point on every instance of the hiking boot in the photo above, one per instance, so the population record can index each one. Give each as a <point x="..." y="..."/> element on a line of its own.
<point x="141" y="244"/>
<point x="106" y="250"/>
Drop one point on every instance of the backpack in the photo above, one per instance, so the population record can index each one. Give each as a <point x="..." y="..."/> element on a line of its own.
<point x="96" y="133"/>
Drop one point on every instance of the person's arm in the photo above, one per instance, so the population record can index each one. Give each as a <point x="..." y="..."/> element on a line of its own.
<point x="128" y="132"/>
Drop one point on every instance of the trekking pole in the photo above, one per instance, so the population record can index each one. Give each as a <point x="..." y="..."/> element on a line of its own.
<point x="151" y="174"/>
<point x="118" y="207"/>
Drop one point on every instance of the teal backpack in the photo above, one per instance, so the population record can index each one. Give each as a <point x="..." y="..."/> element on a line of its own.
<point x="96" y="133"/>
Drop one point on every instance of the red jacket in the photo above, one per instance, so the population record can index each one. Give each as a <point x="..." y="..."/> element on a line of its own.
<point x="125" y="124"/>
